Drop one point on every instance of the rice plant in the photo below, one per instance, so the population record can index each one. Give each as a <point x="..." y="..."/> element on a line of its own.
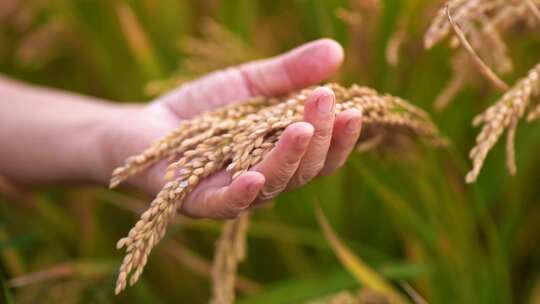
<point x="399" y="223"/>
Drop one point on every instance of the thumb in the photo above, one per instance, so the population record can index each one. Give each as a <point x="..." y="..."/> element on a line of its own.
<point x="306" y="65"/>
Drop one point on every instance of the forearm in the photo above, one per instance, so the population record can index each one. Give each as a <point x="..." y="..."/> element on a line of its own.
<point x="48" y="135"/>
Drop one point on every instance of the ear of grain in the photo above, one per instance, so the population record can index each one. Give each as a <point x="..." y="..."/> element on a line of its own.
<point x="236" y="138"/>
<point x="503" y="115"/>
<point x="482" y="67"/>
<point x="477" y="26"/>
<point x="230" y="250"/>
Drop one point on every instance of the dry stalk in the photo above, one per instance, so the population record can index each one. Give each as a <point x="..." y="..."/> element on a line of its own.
<point x="505" y="114"/>
<point x="342" y="297"/>
<point x="363" y="296"/>
<point x="216" y="49"/>
<point x="482" y="67"/>
<point x="440" y="27"/>
<point x="534" y="9"/>
<point x="394" y="45"/>
<point x="230" y="250"/>
<point x="363" y="18"/>
<point x="478" y="24"/>
<point x="471" y="14"/>
<point x="236" y="138"/>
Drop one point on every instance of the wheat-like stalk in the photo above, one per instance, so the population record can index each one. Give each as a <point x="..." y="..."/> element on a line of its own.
<point x="477" y="25"/>
<point x="342" y="297"/>
<point x="471" y="15"/>
<point x="503" y="115"/>
<point x="236" y="138"/>
<point x="362" y="296"/>
<point x="230" y="250"/>
<point x="217" y="48"/>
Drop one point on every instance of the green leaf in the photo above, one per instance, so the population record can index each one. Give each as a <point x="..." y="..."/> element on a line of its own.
<point x="360" y="270"/>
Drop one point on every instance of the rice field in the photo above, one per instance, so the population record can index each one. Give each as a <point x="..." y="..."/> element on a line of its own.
<point x="438" y="205"/>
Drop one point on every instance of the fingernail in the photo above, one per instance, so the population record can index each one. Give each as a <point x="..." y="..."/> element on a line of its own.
<point x="325" y="103"/>
<point x="353" y="124"/>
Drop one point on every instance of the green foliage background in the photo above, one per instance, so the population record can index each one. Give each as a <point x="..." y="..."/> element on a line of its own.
<point x="406" y="212"/>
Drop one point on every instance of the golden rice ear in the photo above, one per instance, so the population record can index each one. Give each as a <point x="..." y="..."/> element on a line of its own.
<point x="230" y="250"/>
<point x="477" y="25"/>
<point x="236" y="138"/>
<point x="481" y="65"/>
<point x="503" y="115"/>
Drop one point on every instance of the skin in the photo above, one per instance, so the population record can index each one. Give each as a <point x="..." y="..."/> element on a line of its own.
<point x="52" y="136"/>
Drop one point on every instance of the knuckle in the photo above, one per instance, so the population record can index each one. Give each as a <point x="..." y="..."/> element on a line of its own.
<point x="322" y="133"/>
<point x="302" y="179"/>
<point x="307" y="175"/>
<point x="291" y="159"/>
<point x="268" y="193"/>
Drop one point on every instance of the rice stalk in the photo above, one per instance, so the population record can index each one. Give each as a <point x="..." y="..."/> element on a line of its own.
<point x="230" y="250"/>
<point x="236" y="138"/>
<point x="477" y="26"/>
<point x="217" y="48"/>
<point x="342" y="297"/>
<point x="534" y="8"/>
<point x="395" y="44"/>
<point x="504" y="115"/>
<point x="363" y="19"/>
<point x="468" y="14"/>
<point x="482" y="67"/>
<point x="363" y="296"/>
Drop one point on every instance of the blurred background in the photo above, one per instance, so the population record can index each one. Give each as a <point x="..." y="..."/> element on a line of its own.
<point x="405" y="211"/>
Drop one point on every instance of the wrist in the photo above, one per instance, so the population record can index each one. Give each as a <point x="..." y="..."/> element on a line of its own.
<point x="126" y="130"/>
<point x="107" y="140"/>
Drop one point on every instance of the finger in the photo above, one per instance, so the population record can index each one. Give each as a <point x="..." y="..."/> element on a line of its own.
<point x="281" y="163"/>
<point x="306" y="65"/>
<point x="319" y="111"/>
<point x="346" y="133"/>
<point x="226" y="201"/>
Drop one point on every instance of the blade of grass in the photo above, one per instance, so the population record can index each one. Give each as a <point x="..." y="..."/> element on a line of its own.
<point x="362" y="272"/>
<point x="5" y="294"/>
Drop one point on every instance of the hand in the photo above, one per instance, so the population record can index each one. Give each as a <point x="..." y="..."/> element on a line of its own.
<point x="317" y="146"/>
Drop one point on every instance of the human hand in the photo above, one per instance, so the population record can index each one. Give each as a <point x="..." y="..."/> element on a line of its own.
<point x="317" y="146"/>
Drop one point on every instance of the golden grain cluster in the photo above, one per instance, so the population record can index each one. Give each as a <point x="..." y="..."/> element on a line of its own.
<point x="237" y="137"/>
<point x="476" y="26"/>
<point x="505" y="114"/>
<point x="481" y="23"/>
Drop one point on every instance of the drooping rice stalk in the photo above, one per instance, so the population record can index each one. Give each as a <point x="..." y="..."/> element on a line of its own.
<point x="230" y="250"/>
<point x="504" y="115"/>
<point x="236" y="138"/>
<point x="477" y="25"/>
